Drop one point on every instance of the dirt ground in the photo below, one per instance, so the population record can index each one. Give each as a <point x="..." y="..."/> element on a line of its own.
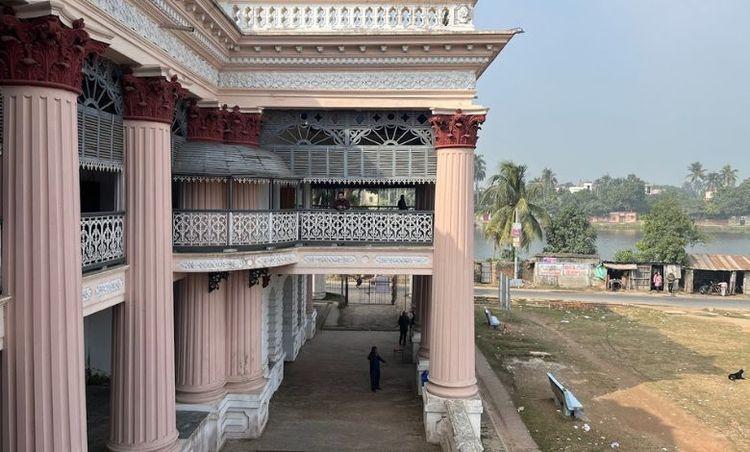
<point x="649" y="379"/>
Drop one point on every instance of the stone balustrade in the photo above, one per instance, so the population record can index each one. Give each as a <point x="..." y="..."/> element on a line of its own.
<point x="387" y="17"/>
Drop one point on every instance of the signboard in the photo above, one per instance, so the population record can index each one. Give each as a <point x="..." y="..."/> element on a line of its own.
<point x="515" y="232"/>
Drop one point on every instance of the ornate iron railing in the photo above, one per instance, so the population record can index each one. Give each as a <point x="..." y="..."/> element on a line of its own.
<point x="102" y="239"/>
<point x="221" y="229"/>
<point x="414" y="227"/>
<point x="196" y="229"/>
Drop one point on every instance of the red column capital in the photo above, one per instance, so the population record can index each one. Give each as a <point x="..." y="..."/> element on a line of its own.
<point x="242" y="128"/>
<point x="456" y="130"/>
<point x="42" y="51"/>
<point x="205" y="123"/>
<point x="150" y="98"/>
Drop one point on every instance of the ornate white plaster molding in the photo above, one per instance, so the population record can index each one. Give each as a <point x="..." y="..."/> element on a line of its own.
<point x="179" y="19"/>
<point x="109" y="287"/>
<point x="195" y="264"/>
<point x="335" y="61"/>
<point x="327" y="259"/>
<point x="216" y="264"/>
<point x="254" y="16"/>
<point x="402" y="260"/>
<point x="276" y="260"/>
<point x="383" y="80"/>
<point x="132" y="17"/>
<point x="103" y="290"/>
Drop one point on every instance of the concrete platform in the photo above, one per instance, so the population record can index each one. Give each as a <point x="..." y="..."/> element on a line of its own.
<point x="325" y="402"/>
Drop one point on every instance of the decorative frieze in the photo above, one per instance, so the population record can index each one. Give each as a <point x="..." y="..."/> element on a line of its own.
<point x="458" y="130"/>
<point x="150" y="98"/>
<point x="329" y="259"/>
<point x="134" y="18"/>
<point x="214" y="265"/>
<point x="276" y="260"/>
<point x="42" y="51"/>
<point x="349" y="61"/>
<point x="402" y="260"/>
<point x="368" y="80"/>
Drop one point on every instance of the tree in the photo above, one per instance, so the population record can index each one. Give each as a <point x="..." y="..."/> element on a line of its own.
<point x="713" y="181"/>
<point x="506" y="195"/>
<point x="620" y="194"/>
<point x="667" y="231"/>
<point x="480" y="173"/>
<point x="696" y="174"/>
<point x="571" y="232"/>
<point x="731" y="201"/>
<point x="548" y="181"/>
<point x="729" y="176"/>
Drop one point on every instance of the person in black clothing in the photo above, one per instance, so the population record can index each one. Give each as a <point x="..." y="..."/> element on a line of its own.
<point x="403" y="327"/>
<point x="375" y="361"/>
<point x="402" y="203"/>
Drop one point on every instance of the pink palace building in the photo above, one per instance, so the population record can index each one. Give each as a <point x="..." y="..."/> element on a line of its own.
<point x="167" y="174"/>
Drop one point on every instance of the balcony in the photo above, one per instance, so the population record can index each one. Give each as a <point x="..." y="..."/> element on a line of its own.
<point x="102" y="240"/>
<point x="206" y="230"/>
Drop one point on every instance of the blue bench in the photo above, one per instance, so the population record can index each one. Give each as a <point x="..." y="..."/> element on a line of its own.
<point x="565" y="399"/>
<point x="491" y="319"/>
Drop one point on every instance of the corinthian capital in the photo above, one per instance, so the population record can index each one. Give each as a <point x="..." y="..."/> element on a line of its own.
<point x="457" y="130"/>
<point x="42" y="51"/>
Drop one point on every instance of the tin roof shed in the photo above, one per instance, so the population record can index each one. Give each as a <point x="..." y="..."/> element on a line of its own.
<point x="718" y="262"/>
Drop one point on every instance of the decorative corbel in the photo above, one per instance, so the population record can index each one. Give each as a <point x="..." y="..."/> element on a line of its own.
<point x="214" y="278"/>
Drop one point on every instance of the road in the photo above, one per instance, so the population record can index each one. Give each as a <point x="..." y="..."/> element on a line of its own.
<point x="678" y="301"/>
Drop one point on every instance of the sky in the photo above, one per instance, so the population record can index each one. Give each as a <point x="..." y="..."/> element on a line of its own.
<point x="616" y="87"/>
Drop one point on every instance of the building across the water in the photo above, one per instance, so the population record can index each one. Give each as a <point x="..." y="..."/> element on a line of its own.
<point x="176" y="173"/>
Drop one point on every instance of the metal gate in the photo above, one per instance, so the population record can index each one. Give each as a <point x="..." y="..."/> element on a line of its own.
<point x="372" y="289"/>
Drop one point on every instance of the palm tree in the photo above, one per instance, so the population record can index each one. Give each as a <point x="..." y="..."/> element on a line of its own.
<point x="729" y="176"/>
<point x="714" y="181"/>
<point x="696" y="175"/>
<point x="507" y="196"/>
<point x="548" y="180"/>
<point x="480" y="173"/>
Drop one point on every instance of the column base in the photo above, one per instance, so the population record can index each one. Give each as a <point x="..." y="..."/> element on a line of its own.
<point x="202" y="396"/>
<point x="435" y="416"/>
<point x="235" y="416"/>
<point x="171" y="444"/>
<point x="310" y="328"/>
<point x="423" y="365"/>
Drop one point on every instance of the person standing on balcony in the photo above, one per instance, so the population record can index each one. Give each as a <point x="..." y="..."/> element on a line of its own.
<point x="341" y="203"/>
<point x="402" y="203"/>
<point x="375" y="361"/>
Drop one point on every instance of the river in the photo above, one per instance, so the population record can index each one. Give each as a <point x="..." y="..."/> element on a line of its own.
<point x="608" y="242"/>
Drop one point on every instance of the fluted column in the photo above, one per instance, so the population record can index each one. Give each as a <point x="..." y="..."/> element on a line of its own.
<point x="425" y="295"/>
<point x="42" y="394"/>
<point x="200" y="329"/>
<point x="452" y="308"/>
<point x="143" y="384"/>
<point x="244" y="327"/>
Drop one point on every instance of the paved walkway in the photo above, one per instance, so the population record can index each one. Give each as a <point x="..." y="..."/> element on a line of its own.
<point x="679" y="301"/>
<point x="325" y="402"/>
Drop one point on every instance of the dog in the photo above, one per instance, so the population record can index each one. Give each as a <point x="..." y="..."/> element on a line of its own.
<point x="737" y="375"/>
